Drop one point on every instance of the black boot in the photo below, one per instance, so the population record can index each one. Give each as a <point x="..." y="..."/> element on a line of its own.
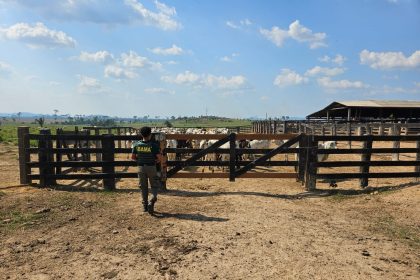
<point x="151" y="206"/>
<point x="145" y="207"/>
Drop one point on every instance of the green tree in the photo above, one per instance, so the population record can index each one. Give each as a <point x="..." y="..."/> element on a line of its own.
<point x="40" y="121"/>
<point x="168" y="123"/>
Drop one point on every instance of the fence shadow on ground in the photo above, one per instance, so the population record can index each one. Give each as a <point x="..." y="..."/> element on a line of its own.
<point x="191" y="217"/>
<point x="303" y="195"/>
<point x="81" y="187"/>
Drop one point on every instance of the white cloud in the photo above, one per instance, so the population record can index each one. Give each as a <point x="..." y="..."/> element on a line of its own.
<point x="88" y="84"/>
<point x="276" y="35"/>
<point x="222" y="82"/>
<point x="174" y="50"/>
<point x="100" y="56"/>
<point x="5" y="69"/>
<point x="242" y="23"/>
<point x="339" y="59"/>
<point x="326" y="82"/>
<point x="232" y="25"/>
<point x="208" y="80"/>
<point x="158" y="91"/>
<point x="133" y="60"/>
<point x="417" y="84"/>
<point x="170" y="11"/>
<point x="245" y="22"/>
<point x="163" y="19"/>
<point x="297" y="32"/>
<point x="118" y="72"/>
<point x="288" y="77"/>
<point x="389" y="60"/>
<point x="229" y="58"/>
<point x="37" y="35"/>
<point x="264" y="98"/>
<point x="182" y="78"/>
<point x="53" y="83"/>
<point x="317" y="70"/>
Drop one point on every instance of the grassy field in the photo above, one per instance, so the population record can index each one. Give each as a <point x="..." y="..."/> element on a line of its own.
<point x="8" y="130"/>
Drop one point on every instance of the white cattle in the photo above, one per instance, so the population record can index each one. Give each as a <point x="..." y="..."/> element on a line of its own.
<point x="329" y="145"/>
<point x="171" y="143"/>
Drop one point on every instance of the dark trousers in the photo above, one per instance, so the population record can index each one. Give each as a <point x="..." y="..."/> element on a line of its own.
<point x="146" y="174"/>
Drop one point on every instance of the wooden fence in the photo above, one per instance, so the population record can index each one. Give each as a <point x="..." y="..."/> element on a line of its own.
<point x="330" y="128"/>
<point x="51" y="165"/>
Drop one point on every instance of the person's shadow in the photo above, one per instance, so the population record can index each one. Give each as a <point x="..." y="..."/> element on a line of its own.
<point x="192" y="217"/>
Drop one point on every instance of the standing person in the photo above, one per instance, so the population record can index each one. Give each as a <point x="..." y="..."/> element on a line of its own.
<point x="147" y="154"/>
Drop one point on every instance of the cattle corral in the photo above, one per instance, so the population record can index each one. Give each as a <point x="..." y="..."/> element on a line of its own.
<point x="211" y="228"/>
<point x="307" y="149"/>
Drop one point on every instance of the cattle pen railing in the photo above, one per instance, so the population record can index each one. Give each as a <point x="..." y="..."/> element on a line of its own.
<point x="51" y="166"/>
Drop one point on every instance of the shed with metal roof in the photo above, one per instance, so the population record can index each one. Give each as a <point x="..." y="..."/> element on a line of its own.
<point x="369" y="110"/>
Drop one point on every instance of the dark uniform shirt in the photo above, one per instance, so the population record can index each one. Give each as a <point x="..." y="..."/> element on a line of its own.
<point x="146" y="152"/>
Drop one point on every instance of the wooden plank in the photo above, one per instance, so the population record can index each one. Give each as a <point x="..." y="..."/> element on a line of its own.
<point x="243" y="176"/>
<point x="332" y="164"/>
<point x="92" y="176"/>
<point x="368" y="175"/>
<point x="364" y="138"/>
<point x="373" y="151"/>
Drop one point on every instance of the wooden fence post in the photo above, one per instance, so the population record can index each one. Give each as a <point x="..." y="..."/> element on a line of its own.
<point x="396" y="144"/>
<point x="58" y="145"/>
<point x="349" y="134"/>
<point x="119" y="140"/>
<point x="24" y="155"/>
<point x="98" y="145"/>
<point x="417" y="168"/>
<point x="161" y="137"/>
<point x="108" y="146"/>
<point x="365" y="157"/>
<point x="232" y="157"/>
<point x="311" y="169"/>
<point x="303" y="150"/>
<point x="45" y="157"/>
<point x="381" y="129"/>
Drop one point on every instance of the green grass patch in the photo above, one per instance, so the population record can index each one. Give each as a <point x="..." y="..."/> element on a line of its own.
<point x="388" y="226"/>
<point x="2" y="193"/>
<point x="16" y="219"/>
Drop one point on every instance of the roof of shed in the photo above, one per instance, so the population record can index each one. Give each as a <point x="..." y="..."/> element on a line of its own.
<point x="381" y="103"/>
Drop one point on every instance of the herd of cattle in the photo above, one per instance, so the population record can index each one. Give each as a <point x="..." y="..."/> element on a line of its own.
<point x="242" y="144"/>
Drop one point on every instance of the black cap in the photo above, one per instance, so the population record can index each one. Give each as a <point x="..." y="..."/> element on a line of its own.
<point x="145" y="131"/>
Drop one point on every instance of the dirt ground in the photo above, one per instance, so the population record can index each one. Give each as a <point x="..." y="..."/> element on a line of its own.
<point x="209" y="229"/>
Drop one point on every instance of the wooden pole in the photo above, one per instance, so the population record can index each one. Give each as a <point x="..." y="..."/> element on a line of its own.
<point x="45" y="157"/>
<point x="396" y="144"/>
<point x="302" y="156"/>
<point x="24" y="155"/>
<point x="232" y="158"/>
<point x="108" y="145"/>
<point x="349" y="134"/>
<point x="161" y="138"/>
<point x="59" y="156"/>
<point x="417" y="168"/>
<point x="311" y="159"/>
<point x="98" y="145"/>
<point x="119" y="133"/>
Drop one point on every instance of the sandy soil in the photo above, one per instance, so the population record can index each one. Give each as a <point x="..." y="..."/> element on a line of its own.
<point x="209" y="229"/>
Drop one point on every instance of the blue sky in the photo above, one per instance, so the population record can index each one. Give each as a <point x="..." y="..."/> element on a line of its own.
<point x="179" y="58"/>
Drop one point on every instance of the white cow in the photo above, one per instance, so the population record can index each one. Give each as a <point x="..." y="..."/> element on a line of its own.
<point x="171" y="143"/>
